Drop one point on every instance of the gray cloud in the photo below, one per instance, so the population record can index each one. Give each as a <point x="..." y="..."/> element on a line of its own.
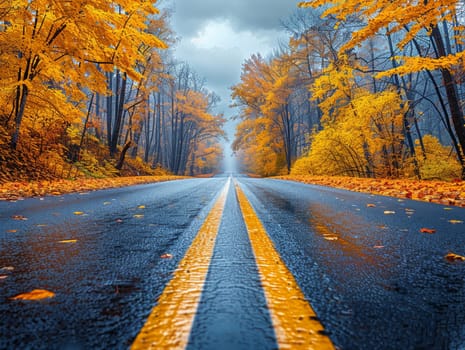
<point x="217" y="65"/>
<point x="218" y="35"/>
<point x="253" y="15"/>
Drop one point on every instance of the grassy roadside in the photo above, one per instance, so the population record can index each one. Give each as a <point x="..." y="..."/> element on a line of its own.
<point x="446" y="193"/>
<point x="17" y="190"/>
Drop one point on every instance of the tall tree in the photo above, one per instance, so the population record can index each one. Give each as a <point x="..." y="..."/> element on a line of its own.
<point x="53" y="48"/>
<point x="419" y="16"/>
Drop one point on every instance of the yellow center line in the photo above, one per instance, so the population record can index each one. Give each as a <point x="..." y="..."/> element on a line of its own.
<point x="170" y="322"/>
<point x="295" y="323"/>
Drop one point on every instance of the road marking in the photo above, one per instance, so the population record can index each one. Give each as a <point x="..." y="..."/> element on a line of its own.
<point x="169" y="324"/>
<point x="295" y="323"/>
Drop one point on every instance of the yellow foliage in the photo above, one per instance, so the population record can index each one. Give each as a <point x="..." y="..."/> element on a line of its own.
<point x="394" y="16"/>
<point x="92" y="167"/>
<point x="362" y="137"/>
<point x="259" y="146"/>
<point x="36" y="294"/>
<point x="53" y="51"/>
<point x="440" y="162"/>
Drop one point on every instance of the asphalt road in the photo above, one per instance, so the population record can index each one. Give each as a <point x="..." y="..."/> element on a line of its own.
<point x="374" y="280"/>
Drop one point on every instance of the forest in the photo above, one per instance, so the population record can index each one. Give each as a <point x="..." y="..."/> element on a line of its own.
<point x="371" y="89"/>
<point x="90" y="88"/>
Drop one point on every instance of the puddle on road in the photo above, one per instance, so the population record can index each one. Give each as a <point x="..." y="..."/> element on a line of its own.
<point x="347" y="233"/>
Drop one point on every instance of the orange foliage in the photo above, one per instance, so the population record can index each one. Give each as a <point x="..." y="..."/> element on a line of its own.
<point x="446" y="193"/>
<point x="36" y="294"/>
<point x="15" y="190"/>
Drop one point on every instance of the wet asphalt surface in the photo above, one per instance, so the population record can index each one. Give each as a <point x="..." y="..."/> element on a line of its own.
<point x="375" y="281"/>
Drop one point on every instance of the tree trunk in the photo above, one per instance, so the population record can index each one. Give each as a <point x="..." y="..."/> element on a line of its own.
<point x="122" y="156"/>
<point x="406" y="122"/>
<point x="109" y="108"/>
<point x="22" y="94"/>
<point x="115" y="134"/>
<point x="75" y="157"/>
<point x="452" y="98"/>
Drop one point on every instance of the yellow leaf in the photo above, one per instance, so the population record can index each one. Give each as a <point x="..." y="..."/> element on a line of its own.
<point x="456" y="221"/>
<point x="427" y="230"/>
<point x="330" y="238"/>
<point x="19" y="217"/>
<point x="454" y="257"/>
<point x="78" y="213"/>
<point x="141" y="207"/>
<point x="389" y="212"/>
<point x="139" y="216"/>
<point x="68" y="241"/>
<point x="36" y="294"/>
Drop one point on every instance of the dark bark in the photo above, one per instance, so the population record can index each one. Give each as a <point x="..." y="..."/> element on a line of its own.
<point x="118" y="123"/>
<point x="84" y="130"/>
<point x="22" y="94"/>
<point x="451" y="92"/>
<point x="408" y="115"/>
<point x="122" y="156"/>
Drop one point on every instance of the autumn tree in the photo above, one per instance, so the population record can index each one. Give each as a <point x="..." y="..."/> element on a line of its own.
<point x="410" y="19"/>
<point x="87" y="75"/>
<point x="362" y="130"/>
<point x="52" y="47"/>
<point x="268" y="91"/>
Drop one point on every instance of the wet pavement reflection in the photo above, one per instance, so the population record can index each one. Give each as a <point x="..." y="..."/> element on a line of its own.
<point x="101" y="256"/>
<point x="373" y="278"/>
<point x="233" y="312"/>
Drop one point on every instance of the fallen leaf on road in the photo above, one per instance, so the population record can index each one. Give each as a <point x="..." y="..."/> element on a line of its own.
<point x="12" y="231"/>
<point x="7" y="268"/>
<point x="19" y="217"/>
<point x="2" y="277"/>
<point x="389" y="212"/>
<point x="447" y="208"/>
<point x="139" y="216"/>
<point x="454" y="257"/>
<point x="78" y="213"/>
<point x="119" y="220"/>
<point x="331" y="238"/>
<point x="370" y="205"/>
<point x="378" y="246"/>
<point x="166" y="256"/>
<point x="106" y="203"/>
<point x="456" y="221"/>
<point x="427" y="230"/>
<point x="141" y="207"/>
<point x="68" y="241"/>
<point x="36" y="294"/>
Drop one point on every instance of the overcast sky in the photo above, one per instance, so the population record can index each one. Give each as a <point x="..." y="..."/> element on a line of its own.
<point x="216" y="36"/>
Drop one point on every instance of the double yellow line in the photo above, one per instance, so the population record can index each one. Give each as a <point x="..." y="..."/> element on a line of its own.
<point x="295" y="323"/>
